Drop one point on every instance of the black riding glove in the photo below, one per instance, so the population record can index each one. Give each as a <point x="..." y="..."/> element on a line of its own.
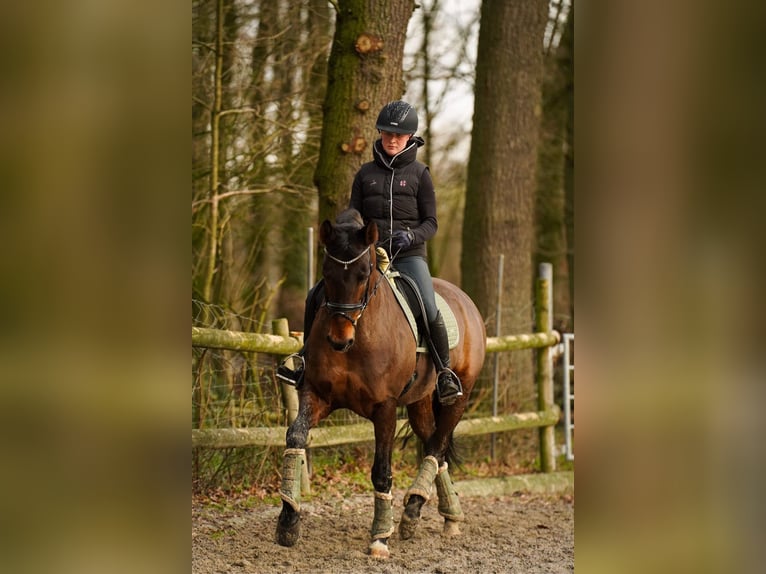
<point x="402" y="240"/>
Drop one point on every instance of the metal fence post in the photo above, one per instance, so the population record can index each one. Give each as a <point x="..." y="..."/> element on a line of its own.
<point x="568" y="394"/>
<point x="496" y="379"/>
<point x="310" y="259"/>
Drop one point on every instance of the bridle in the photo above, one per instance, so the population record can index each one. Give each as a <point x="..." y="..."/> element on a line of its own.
<point x="343" y="309"/>
<point x="350" y="261"/>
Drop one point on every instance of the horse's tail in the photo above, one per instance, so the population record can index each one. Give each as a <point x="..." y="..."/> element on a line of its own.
<point x="453" y="455"/>
<point x="406" y="433"/>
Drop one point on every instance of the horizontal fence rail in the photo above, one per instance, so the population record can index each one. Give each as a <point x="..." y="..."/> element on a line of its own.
<point x="274" y="344"/>
<point x="238" y="341"/>
<point x="362" y="432"/>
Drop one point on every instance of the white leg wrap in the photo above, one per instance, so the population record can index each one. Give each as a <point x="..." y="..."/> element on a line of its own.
<point x="383" y="521"/>
<point x="424" y="480"/>
<point x="449" y="504"/>
<point x="290" y="490"/>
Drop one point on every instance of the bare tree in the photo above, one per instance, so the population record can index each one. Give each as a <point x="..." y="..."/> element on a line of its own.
<point x="256" y="111"/>
<point x="298" y="210"/>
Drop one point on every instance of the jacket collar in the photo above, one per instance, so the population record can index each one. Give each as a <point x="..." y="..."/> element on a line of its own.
<point x="404" y="157"/>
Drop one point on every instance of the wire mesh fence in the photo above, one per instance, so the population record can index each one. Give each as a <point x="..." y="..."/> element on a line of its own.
<point x="239" y="389"/>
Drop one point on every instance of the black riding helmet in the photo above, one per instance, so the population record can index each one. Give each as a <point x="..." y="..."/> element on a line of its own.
<point x="398" y="117"/>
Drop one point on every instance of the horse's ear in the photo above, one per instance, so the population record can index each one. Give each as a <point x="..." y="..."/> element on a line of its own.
<point x="371" y="233"/>
<point x="325" y="232"/>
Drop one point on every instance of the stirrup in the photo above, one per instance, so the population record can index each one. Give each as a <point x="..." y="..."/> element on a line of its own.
<point x="294" y="375"/>
<point x="454" y="390"/>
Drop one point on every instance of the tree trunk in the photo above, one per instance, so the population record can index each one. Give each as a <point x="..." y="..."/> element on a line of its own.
<point x="203" y="30"/>
<point x="502" y="166"/>
<point x="215" y="159"/>
<point x="364" y="73"/>
<point x="553" y="245"/>
<point x="568" y="42"/>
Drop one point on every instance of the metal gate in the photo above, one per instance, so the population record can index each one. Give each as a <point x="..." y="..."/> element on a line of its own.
<point x="568" y="342"/>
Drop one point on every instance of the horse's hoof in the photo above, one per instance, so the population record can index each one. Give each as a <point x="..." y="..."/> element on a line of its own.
<point x="288" y="530"/>
<point x="288" y="536"/>
<point x="379" y="549"/>
<point x="407" y="526"/>
<point x="451" y="529"/>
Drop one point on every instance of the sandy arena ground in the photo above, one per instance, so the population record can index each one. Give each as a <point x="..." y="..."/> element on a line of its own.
<point x="522" y="533"/>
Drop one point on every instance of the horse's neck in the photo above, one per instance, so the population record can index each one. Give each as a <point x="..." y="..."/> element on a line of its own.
<point x="384" y="310"/>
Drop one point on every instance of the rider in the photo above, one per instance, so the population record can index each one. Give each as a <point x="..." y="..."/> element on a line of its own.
<point x="397" y="193"/>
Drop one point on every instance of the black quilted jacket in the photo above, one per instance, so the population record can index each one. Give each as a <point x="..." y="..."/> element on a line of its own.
<point x="397" y="193"/>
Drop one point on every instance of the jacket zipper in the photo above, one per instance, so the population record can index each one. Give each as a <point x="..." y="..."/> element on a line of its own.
<point x="391" y="201"/>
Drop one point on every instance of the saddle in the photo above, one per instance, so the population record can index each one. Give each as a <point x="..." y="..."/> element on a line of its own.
<point x="408" y="296"/>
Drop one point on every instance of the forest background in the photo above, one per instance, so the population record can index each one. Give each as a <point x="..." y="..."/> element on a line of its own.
<point x="284" y="101"/>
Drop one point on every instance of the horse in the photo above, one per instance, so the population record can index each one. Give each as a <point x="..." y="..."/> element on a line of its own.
<point x="361" y="355"/>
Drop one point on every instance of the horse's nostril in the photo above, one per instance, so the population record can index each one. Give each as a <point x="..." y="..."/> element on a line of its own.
<point x="341" y="346"/>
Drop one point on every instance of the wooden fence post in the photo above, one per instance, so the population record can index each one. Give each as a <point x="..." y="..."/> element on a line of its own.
<point x="544" y="323"/>
<point x="281" y="328"/>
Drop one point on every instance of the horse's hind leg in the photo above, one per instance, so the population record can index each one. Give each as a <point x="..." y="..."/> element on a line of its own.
<point x="437" y="438"/>
<point x="288" y="525"/>
<point x="449" y="504"/>
<point x="417" y="495"/>
<point x="423" y="425"/>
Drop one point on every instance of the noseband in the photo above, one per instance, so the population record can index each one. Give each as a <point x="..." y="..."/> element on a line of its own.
<point x="343" y="309"/>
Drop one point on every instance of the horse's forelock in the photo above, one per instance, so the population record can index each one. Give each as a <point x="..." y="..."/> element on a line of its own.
<point x="346" y="237"/>
<point x="347" y="224"/>
<point x="349" y="217"/>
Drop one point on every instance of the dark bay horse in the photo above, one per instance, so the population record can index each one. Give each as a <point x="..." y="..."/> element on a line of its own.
<point x="361" y="355"/>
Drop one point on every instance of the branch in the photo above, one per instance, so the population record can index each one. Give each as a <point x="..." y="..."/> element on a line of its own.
<point x="237" y="111"/>
<point x="237" y="192"/>
<point x="207" y="45"/>
<point x="202" y="103"/>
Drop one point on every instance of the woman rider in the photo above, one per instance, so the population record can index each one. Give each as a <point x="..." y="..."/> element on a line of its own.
<point x="396" y="191"/>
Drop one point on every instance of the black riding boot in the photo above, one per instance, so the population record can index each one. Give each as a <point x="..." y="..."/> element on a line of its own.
<point x="447" y="385"/>
<point x="294" y="376"/>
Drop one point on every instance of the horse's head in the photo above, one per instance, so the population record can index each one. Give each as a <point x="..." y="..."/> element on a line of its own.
<point x="348" y="264"/>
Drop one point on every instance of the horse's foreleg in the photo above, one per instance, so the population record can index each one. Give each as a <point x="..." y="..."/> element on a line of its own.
<point x="383" y="519"/>
<point x="288" y="525"/>
<point x="417" y="495"/>
<point x="382" y="524"/>
<point x="449" y="504"/>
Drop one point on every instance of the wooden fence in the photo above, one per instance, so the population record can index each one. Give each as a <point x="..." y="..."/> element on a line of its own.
<point x="282" y="343"/>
